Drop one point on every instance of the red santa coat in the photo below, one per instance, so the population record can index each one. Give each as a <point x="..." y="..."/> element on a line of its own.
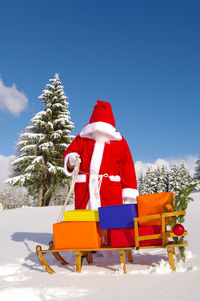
<point x="111" y="165"/>
<point x="107" y="174"/>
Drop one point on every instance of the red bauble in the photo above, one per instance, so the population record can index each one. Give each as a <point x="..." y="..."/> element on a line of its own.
<point x="178" y="229"/>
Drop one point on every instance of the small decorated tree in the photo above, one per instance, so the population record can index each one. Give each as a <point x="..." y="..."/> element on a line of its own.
<point x="182" y="200"/>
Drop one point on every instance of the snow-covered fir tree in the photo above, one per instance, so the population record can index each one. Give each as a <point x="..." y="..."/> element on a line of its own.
<point x="197" y="170"/>
<point x="157" y="175"/>
<point x="163" y="180"/>
<point x="39" y="165"/>
<point x="174" y="178"/>
<point x="148" y="180"/>
<point x="184" y="176"/>
<point x="141" y="184"/>
<point x="154" y="180"/>
<point x="196" y="177"/>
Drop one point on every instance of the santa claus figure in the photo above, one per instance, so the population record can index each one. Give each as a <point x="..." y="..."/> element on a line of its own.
<point x="106" y="172"/>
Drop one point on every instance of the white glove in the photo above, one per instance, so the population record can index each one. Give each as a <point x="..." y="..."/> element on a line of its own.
<point x="74" y="159"/>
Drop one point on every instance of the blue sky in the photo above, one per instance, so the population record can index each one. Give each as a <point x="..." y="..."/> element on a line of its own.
<point x="141" y="56"/>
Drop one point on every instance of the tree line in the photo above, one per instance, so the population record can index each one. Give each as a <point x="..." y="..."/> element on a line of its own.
<point x="162" y="179"/>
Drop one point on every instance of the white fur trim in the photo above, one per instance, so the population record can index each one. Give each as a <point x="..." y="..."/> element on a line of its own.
<point x="68" y="173"/>
<point x="129" y="193"/>
<point x="102" y="127"/>
<point x="80" y="178"/>
<point x="100" y="137"/>
<point x="94" y="199"/>
<point x="129" y="201"/>
<point x="115" y="178"/>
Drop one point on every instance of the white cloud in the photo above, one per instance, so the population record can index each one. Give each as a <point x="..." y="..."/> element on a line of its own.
<point x="189" y="160"/>
<point x="12" y="99"/>
<point x="5" y="167"/>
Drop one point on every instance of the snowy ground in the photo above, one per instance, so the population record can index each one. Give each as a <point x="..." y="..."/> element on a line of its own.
<point x="149" y="278"/>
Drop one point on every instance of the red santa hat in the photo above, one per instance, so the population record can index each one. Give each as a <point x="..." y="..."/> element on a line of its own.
<point x="102" y="112"/>
<point x="101" y="121"/>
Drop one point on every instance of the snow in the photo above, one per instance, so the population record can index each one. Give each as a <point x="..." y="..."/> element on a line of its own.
<point x="149" y="278"/>
<point x="33" y="166"/>
<point x="39" y="115"/>
<point x="54" y="169"/>
<point x="62" y="120"/>
<point x="18" y="179"/>
<point x="46" y="146"/>
<point x="28" y="148"/>
<point x="33" y="136"/>
<point x="23" y="158"/>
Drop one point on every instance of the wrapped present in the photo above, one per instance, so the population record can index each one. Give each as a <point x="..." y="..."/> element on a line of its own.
<point x="123" y="237"/>
<point x="82" y="215"/>
<point x="126" y="237"/>
<point x="119" y="216"/>
<point x="154" y="203"/>
<point x="76" y="235"/>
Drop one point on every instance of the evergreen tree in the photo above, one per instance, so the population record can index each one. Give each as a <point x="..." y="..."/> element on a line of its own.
<point x="141" y="184"/>
<point x="154" y="180"/>
<point x="163" y="179"/>
<point x="197" y="170"/>
<point x="157" y="173"/>
<point x="149" y="181"/>
<point x="182" y="200"/>
<point x="173" y="178"/>
<point x="39" y="165"/>
<point x="184" y="176"/>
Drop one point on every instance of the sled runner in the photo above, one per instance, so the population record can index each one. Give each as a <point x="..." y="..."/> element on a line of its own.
<point x="150" y="231"/>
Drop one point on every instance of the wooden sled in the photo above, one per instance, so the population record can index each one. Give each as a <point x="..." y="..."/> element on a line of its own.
<point x="78" y="254"/>
<point x="165" y="236"/>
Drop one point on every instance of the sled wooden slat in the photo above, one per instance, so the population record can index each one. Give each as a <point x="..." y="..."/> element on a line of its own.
<point x="150" y="236"/>
<point x="163" y="229"/>
<point x="87" y="250"/>
<point x="170" y="253"/>
<point x="122" y="260"/>
<point x="130" y="257"/>
<point x="183" y="244"/>
<point x="56" y="254"/>
<point x="43" y="260"/>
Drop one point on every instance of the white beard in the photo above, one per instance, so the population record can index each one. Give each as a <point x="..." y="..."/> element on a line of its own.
<point x="100" y="137"/>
